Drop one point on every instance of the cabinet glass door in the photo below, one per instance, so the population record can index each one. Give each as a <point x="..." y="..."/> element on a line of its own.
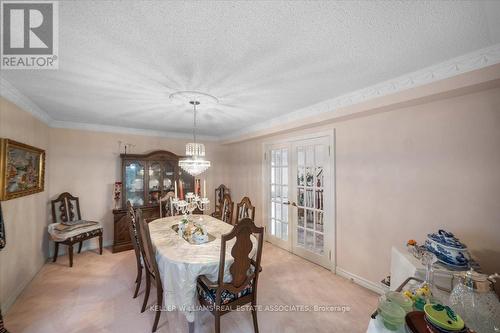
<point x="134" y="183"/>
<point x="168" y="178"/>
<point x="154" y="182"/>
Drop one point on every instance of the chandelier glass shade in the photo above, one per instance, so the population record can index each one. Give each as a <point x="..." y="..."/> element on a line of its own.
<point x="194" y="163"/>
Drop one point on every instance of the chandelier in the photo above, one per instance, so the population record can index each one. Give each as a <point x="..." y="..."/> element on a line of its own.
<point x="194" y="163"/>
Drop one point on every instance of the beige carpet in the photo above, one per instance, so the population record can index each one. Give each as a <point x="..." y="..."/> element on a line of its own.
<point x="96" y="296"/>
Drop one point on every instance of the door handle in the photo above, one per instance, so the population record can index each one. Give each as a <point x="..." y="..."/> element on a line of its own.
<point x="290" y="203"/>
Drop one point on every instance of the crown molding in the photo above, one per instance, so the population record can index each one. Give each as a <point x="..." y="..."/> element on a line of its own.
<point x="11" y="93"/>
<point x="126" y="130"/>
<point x="466" y="63"/>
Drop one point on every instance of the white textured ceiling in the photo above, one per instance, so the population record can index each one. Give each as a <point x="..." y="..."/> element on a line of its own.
<point x="120" y="60"/>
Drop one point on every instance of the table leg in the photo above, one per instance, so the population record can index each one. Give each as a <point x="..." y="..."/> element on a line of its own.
<point x="191" y="327"/>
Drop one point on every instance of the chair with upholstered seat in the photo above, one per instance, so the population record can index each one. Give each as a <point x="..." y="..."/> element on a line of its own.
<point x="68" y="228"/>
<point x="221" y="297"/>
<point x="245" y="209"/>
<point x="132" y="229"/>
<point x="150" y="266"/>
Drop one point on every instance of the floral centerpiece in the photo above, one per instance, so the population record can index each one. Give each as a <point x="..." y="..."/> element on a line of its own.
<point x="192" y="231"/>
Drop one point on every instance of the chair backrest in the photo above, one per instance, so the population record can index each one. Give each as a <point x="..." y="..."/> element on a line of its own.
<point x="241" y="269"/>
<point x="65" y="208"/>
<point x="219" y="196"/>
<point x="245" y="209"/>
<point x="167" y="205"/>
<point x="132" y="229"/>
<point x="149" y="256"/>
<point x="227" y="209"/>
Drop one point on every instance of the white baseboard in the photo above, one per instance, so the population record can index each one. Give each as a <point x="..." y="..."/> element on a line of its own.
<point x="379" y="288"/>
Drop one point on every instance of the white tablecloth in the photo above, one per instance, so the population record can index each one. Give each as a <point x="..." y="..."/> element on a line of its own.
<point x="180" y="263"/>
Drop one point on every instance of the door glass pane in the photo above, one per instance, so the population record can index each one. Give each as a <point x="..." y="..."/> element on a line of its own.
<point x="284" y="176"/>
<point x="284" y="231"/>
<point x="278" y="211"/>
<point x="168" y="178"/>
<point x="309" y="176"/>
<point x="300" y="177"/>
<point x="319" y="199"/>
<point x="273" y="191"/>
<point x="273" y="175"/>
<point x="309" y="198"/>
<point x="300" y="236"/>
<point x="319" y="222"/>
<point x="319" y="176"/>
<point x="309" y="239"/>
<point x="284" y="213"/>
<point x="284" y="193"/>
<point x="278" y="229"/>
<point x="300" y="217"/>
<point x="278" y="157"/>
<point x="300" y="197"/>
<point x="309" y="219"/>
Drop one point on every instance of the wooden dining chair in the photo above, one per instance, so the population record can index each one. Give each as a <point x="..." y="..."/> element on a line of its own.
<point x="227" y="209"/>
<point x="222" y="297"/>
<point x="220" y="191"/>
<point x="68" y="228"/>
<point x="150" y="266"/>
<point x="245" y="209"/>
<point x="132" y="228"/>
<point x="167" y="205"/>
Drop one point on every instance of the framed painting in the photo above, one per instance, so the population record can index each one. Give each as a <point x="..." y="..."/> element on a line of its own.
<point x="22" y="169"/>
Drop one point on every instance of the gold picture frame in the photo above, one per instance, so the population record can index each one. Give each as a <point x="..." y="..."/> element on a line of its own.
<point x="22" y="169"/>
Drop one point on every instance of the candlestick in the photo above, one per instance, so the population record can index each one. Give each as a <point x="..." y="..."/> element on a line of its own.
<point x="181" y="190"/>
<point x="175" y="187"/>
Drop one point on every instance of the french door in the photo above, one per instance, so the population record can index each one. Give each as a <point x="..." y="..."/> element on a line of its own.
<point x="300" y="199"/>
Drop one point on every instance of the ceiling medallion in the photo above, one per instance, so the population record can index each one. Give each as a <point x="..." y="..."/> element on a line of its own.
<point x="194" y="163"/>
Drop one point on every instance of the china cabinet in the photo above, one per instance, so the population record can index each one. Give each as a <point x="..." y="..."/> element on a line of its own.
<point x="145" y="179"/>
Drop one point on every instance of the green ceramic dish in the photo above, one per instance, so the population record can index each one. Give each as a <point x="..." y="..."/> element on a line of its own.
<point x="444" y="317"/>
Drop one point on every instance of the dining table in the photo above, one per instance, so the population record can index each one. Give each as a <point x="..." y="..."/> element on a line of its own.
<point x="180" y="262"/>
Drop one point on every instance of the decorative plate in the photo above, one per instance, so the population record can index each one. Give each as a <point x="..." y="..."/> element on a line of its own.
<point x="443" y="317"/>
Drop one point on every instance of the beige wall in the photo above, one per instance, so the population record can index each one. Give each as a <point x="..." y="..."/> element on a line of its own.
<point x="26" y="217"/>
<point x="404" y="173"/>
<point x="87" y="164"/>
